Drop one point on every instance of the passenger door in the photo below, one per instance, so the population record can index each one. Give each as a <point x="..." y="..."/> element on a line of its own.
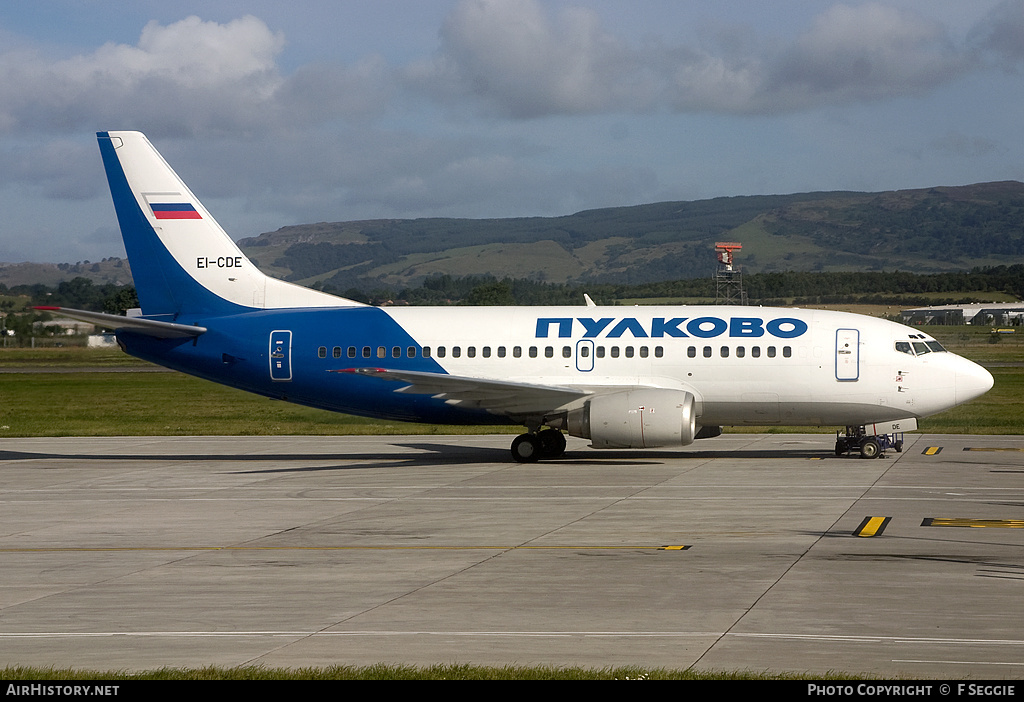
<point x="847" y="355"/>
<point x="281" y="356"/>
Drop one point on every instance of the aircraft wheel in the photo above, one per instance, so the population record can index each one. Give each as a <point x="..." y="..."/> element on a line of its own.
<point x="870" y="449"/>
<point x="552" y="443"/>
<point x="526" y="448"/>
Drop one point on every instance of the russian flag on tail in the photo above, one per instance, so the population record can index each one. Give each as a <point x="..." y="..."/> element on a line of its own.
<point x="174" y="210"/>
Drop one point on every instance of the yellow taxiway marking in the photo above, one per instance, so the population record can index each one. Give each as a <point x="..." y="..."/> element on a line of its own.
<point x="872" y="526"/>
<point x="931" y="450"/>
<point x="993" y="449"/>
<point x="957" y="522"/>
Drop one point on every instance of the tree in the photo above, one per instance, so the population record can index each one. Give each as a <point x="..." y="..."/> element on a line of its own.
<point x="122" y="301"/>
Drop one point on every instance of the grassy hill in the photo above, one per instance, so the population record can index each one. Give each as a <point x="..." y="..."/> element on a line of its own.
<point x="924" y="231"/>
<point x="110" y="270"/>
<point x="930" y="230"/>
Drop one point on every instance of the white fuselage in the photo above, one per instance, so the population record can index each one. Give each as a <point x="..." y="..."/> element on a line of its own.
<point x="843" y="369"/>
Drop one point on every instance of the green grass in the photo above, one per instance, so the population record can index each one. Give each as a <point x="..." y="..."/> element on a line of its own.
<point x="1000" y="411"/>
<point x="980" y="345"/>
<point x="69" y="356"/>
<point x="382" y="671"/>
<point x="169" y="404"/>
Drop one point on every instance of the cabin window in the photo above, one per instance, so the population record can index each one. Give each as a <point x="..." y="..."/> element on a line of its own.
<point x="517" y="352"/>
<point x="533" y="352"/>
<point x="486" y="352"/>
<point x="382" y="352"/>
<point x="740" y="352"/>
<point x="600" y="352"/>
<point x="584" y="352"/>
<point x="615" y="351"/>
<point x="441" y="351"/>
<point x="456" y="351"/>
<point x="691" y="352"/>
<point x="549" y="352"/>
<point x="396" y="352"/>
<point x="351" y="351"/>
<point x="471" y="352"/>
<point x="659" y="351"/>
<point x="411" y="352"/>
<point x="771" y="352"/>
<point x="643" y="352"/>
<point x="756" y="352"/>
<point x="787" y="351"/>
<point x="322" y="352"/>
<point x="501" y="352"/>
<point x="566" y="352"/>
<point x="367" y="352"/>
<point x="724" y="352"/>
<point x="426" y="352"/>
<point x="336" y="352"/>
<point x="707" y="352"/>
<point x="629" y="352"/>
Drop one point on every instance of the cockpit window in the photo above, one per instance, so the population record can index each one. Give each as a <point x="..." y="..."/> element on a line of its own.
<point x="918" y="348"/>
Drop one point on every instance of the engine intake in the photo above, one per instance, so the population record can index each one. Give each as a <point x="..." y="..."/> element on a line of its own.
<point x="643" y="418"/>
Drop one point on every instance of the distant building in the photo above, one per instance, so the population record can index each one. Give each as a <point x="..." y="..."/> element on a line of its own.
<point x="101" y="340"/>
<point x="67" y="326"/>
<point x="999" y="313"/>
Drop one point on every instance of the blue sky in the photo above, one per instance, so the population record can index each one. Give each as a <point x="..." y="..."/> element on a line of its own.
<point x="286" y="113"/>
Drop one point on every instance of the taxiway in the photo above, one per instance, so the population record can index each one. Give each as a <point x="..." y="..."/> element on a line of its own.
<point x="744" y="552"/>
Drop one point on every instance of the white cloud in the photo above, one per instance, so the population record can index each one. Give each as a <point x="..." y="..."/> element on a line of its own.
<point x="519" y="61"/>
<point x="509" y="58"/>
<point x="862" y="53"/>
<point x="1001" y="34"/>
<point x="184" y="78"/>
<point x="58" y="169"/>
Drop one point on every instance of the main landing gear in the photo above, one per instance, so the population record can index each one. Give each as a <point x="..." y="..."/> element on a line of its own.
<point x="531" y="447"/>
<point x="869" y="446"/>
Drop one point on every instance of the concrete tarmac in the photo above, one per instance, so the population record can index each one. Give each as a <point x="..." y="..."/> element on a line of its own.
<point x="743" y="552"/>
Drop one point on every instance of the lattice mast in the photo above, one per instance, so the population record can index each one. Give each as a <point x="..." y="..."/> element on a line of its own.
<point x="728" y="276"/>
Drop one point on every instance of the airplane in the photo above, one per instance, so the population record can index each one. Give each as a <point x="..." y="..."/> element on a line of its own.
<point x="622" y="377"/>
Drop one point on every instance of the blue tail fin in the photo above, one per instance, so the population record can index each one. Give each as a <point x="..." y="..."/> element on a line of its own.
<point x="182" y="261"/>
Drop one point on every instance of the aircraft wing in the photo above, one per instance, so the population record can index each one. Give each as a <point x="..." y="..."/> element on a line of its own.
<point x="149" y="327"/>
<point x="496" y="396"/>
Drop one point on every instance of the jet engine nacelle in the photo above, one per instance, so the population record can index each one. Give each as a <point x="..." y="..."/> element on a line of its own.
<point x="642" y="418"/>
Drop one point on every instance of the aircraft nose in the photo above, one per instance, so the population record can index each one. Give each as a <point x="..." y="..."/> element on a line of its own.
<point x="971" y="381"/>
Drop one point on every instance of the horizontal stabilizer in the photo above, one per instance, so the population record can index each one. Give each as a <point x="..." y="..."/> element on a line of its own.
<point x="149" y="327"/>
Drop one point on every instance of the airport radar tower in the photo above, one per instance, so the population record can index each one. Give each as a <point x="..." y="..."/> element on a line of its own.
<point x="728" y="276"/>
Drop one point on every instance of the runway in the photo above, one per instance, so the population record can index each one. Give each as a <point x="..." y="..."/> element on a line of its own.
<point x="743" y="552"/>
